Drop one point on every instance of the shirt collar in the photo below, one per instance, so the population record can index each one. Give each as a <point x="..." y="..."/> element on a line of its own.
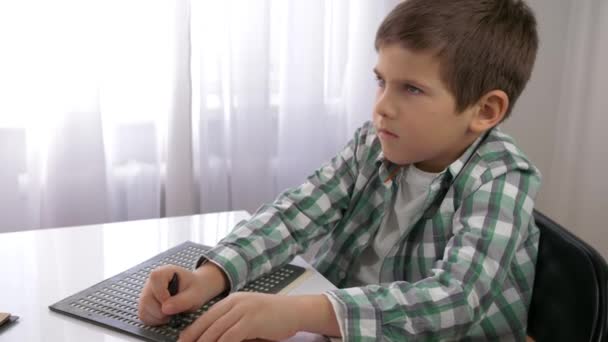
<point x="459" y="163"/>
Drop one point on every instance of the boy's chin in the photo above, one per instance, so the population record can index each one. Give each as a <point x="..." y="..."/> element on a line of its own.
<point x="399" y="160"/>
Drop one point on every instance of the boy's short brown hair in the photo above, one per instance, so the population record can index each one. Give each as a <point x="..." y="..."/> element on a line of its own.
<point x="482" y="45"/>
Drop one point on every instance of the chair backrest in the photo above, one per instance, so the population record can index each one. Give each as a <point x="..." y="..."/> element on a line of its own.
<point x="569" y="300"/>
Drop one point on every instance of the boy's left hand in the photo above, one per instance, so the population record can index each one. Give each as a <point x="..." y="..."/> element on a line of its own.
<point x="243" y="316"/>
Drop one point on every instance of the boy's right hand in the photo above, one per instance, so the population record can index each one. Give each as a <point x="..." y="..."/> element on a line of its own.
<point x="196" y="288"/>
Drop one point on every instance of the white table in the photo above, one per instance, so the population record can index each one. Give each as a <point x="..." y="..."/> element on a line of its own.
<point x="41" y="267"/>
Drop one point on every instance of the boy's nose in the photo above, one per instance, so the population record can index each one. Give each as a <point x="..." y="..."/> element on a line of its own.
<point x="384" y="106"/>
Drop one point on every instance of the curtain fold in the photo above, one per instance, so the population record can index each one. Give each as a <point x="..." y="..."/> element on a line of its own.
<point x="270" y="97"/>
<point x="180" y="191"/>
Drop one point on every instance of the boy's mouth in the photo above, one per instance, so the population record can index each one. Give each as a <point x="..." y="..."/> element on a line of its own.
<point x="386" y="134"/>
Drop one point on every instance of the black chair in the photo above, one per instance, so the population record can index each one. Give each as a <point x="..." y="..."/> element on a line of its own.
<point x="569" y="300"/>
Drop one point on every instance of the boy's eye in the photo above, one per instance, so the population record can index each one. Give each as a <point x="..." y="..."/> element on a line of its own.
<point x="380" y="82"/>
<point x="412" y="90"/>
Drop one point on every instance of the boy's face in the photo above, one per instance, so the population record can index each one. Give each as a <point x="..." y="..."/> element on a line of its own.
<point x="415" y="114"/>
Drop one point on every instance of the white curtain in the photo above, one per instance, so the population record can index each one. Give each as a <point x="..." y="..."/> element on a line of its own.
<point x="116" y="110"/>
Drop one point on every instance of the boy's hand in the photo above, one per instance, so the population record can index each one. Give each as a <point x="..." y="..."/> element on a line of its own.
<point x="196" y="288"/>
<point x="247" y="316"/>
<point x="243" y="316"/>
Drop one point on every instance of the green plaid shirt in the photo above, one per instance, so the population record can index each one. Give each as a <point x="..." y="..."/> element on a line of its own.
<point x="464" y="270"/>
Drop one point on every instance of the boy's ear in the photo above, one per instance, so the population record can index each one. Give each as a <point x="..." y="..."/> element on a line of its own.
<point x="491" y="109"/>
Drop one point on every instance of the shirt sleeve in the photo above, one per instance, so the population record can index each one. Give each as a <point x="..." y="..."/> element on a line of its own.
<point x="488" y="228"/>
<point x="299" y="216"/>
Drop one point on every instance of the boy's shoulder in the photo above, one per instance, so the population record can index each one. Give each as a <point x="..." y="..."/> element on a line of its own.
<point x="366" y="137"/>
<point x="498" y="154"/>
<point x="367" y="144"/>
<point x="495" y="158"/>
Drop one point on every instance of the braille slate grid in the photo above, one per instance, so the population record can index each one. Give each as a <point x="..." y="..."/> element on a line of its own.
<point x="113" y="302"/>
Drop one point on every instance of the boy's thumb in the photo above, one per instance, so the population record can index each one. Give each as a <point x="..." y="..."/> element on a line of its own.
<point x="179" y="303"/>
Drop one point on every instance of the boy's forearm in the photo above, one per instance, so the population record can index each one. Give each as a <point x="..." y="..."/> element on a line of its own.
<point x="316" y="315"/>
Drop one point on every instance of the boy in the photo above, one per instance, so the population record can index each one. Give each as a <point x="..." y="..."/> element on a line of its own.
<point x="426" y="214"/>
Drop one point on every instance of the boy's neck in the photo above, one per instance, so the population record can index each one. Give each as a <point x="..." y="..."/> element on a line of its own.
<point x="441" y="163"/>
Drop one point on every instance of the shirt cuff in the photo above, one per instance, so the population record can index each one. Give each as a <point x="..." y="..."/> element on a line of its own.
<point x="340" y="311"/>
<point x="356" y="314"/>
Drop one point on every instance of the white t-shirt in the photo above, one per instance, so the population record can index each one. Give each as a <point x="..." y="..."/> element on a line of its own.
<point x="407" y="202"/>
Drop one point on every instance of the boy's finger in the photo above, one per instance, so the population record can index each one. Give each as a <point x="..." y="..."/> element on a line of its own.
<point x="159" y="281"/>
<point x="152" y="317"/>
<point x="153" y="310"/>
<point x="179" y="303"/>
<point x="238" y="332"/>
<point x="198" y="327"/>
<point x="221" y="326"/>
<point x="146" y="305"/>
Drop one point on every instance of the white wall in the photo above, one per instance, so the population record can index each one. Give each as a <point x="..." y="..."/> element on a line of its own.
<point x="560" y="119"/>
